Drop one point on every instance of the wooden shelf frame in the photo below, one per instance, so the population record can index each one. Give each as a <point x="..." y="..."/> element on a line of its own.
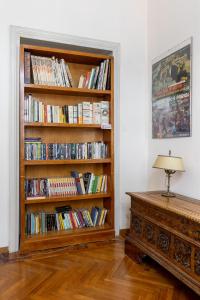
<point x="63" y="125"/>
<point x="57" y="90"/>
<point x="65" y="238"/>
<point x="58" y="239"/>
<point x="52" y="234"/>
<point x="73" y="56"/>
<point x="67" y="198"/>
<point x="66" y="162"/>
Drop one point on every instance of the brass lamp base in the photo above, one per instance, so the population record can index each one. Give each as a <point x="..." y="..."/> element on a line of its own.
<point x="168" y="194"/>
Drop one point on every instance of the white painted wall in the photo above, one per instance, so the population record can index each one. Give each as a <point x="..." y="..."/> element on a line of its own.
<point x="113" y="20"/>
<point x="169" y="23"/>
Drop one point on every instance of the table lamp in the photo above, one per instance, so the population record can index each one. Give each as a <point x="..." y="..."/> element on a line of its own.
<point x="170" y="164"/>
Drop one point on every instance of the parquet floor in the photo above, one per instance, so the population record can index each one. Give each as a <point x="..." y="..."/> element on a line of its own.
<point x="100" y="272"/>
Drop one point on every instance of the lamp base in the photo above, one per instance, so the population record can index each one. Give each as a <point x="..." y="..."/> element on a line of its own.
<point x="168" y="194"/>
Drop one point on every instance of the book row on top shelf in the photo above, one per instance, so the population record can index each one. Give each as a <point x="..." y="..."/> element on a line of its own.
<point x="53" y="71"/>
<point x="66" y="119"/>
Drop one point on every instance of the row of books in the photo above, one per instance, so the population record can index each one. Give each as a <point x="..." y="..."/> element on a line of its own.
<point x="76" y="184"/>
<point x="52" y="71"/>
<point x="64" y="218"/>
<point x="98" y="78"/>
<point x="82" y="113"/>
<point x="46" y="71"/>
<point x="34" y="149"/>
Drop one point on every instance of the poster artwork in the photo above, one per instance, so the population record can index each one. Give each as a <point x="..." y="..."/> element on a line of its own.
<point x="171" y="95"/>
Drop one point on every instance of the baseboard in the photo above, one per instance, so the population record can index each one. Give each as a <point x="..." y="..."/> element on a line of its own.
<point x="124" y="232"/>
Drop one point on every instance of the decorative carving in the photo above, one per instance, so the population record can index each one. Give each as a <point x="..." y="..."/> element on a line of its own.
<point x="163" y="241"/>
<point x="137" y="225"/>
<point x="197" y="262"/>
<point x="149" y="233"/>
<point x="182" y="224"/>
<point x="182" y="253"/>
<point x="196" y="234"/>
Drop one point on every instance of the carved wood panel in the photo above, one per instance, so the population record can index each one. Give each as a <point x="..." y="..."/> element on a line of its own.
<point x="163" y="241"/>
<point x="149" y="233"/>
<point x="197" y="261"/>
<point x="182" y="253"/>
<point x="180" y="223"/>
<point x="137" y="225"/>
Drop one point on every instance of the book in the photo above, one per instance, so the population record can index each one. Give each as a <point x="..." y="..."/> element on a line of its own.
<point x="27" y="67"/>
<point x="81" y="81"/>
<point x="104" y="112"/>
<point x="96" y="107"/>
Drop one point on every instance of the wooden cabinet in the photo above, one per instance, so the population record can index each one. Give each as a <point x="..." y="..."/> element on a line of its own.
<point x="79" y="62"/>
<point x="168" y="230"/>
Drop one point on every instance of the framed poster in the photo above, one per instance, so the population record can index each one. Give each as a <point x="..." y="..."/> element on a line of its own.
<point x="171" y="93"/>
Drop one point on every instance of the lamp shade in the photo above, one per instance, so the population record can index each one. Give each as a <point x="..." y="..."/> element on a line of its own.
<point x="169" y="163"/>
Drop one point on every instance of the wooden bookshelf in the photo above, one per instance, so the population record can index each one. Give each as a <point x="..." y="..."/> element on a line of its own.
<point x="79" y="62"/>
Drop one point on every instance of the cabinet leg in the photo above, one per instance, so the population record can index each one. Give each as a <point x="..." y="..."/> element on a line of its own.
<point x="134" y="252"/>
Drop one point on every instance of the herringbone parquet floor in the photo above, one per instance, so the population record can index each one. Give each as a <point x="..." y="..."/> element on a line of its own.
<point x="100" y="272"/>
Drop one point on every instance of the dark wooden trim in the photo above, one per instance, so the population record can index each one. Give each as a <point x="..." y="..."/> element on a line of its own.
<point x="124" y="232"/>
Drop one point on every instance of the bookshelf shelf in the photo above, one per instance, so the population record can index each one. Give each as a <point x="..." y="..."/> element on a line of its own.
<point x="53" y="103"/>
<point x="67" y="238"/>
<point x="68" y="198"/>
<point x="63" y="125"/>
<point x="66" y="162"/>
<point x="73" y="56"/>
<point x="67" y="232"/>
<point x="56" y="90"/>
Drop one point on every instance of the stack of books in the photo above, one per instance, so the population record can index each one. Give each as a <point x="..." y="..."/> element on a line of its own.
<point x="49" y="71"/>
<point x="83" y="113"/>
<point x="98" y="78"/>
<point x="34" y="149"/>
<point x="34" y="109"/>
<point x="77" y="183"/>
<point x="52" y="71"/>
<point x="64" y="218"/>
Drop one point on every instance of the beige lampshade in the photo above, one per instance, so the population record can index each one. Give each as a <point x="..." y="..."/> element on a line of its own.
<point x="169" y="163"/>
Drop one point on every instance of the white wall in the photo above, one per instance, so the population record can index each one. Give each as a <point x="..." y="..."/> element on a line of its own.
<point x="169" y="23"/>
<point x="113" y="20"/>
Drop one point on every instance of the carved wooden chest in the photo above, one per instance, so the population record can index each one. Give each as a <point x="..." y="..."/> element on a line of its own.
<point x="168" y="230"/>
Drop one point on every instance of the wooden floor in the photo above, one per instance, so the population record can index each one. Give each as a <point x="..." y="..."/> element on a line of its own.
<point x="99" y="272"/>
